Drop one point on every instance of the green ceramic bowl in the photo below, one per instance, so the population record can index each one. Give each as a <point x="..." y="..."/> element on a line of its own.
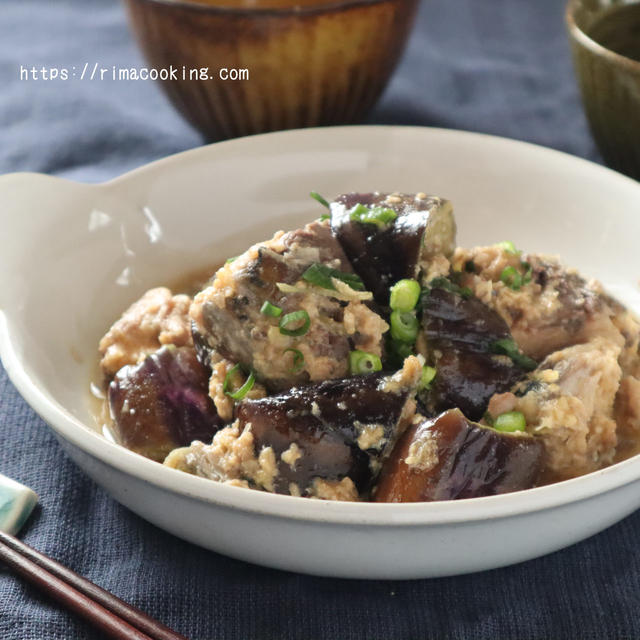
<point x="605" y="43"/>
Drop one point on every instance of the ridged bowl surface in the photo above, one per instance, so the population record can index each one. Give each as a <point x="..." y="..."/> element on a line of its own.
<point x="609" y="81"/>
<point x="318" y="65"/>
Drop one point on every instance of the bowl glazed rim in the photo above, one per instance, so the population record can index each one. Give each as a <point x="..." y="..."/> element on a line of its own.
<point x="329" y="6"/>
<point x="587" y="42"/>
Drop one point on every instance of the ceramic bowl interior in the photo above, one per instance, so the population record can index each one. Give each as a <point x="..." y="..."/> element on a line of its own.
<point x="250" y="67"/>
<point x="73" y="256"/>
<point x="606" y="56"/>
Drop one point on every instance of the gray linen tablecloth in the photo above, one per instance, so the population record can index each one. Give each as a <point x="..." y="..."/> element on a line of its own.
<point x="497" y="66"/>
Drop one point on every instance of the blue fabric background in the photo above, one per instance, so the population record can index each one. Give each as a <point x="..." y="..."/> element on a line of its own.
<point x="498" y="66"/>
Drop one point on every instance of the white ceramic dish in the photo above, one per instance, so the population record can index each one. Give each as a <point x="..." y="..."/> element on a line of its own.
<point x="72" y="256"/>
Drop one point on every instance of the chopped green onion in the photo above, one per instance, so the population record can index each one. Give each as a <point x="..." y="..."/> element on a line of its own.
<point x="508" y="347"/>
<point x="357" y="211"/>
<point x="428" y="374"/>
<point x="397" y="352"/>
<point x="510" y="421"/>
<point x="404" y="326"/>
<point x="511" y="278"/>
<point x="227" y="378"/>
<point x="245" y="388"/>
<point x="380" y="216"/>
<point x="528" y="273"/>
<point x="298" y="360"/>
<point x="325" y="216"/>
<point x="289" y="321"/>
<point x="404" y="295"/>
<point x="230" y="260"/>
<point x="509" y="247"/>
<point x="316" y="196"/>
<point x="240" y="393"/>
<point x="320" y="275"/>
<point x="271" y="310"/>
<point x="363" y="362"/>
<point x="444" y="283"/>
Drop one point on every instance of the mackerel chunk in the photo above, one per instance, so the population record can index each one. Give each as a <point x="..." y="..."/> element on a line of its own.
<point x="552" y="306"/>
<point x="383" y="253"/>
<point x="227" y="321"/>
<point x="569" y="404"/>
<point x="450" y="458"/>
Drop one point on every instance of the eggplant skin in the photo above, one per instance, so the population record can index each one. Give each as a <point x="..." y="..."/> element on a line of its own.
<point x="454" y="458"/>
<point x="459" y="331"/>
<point x="325" y="421"/>
<point x="162" y="403"/>
<point x="381" y="256"/>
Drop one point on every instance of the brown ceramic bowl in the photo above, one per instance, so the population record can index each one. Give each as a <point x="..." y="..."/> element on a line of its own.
<point x="321" y="63"/>
<point x="605" y="44"/>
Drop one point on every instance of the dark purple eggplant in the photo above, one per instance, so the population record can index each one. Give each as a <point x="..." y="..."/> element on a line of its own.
<point x="227" y="316"/>
<point x="467" y="342"/>
<point x="383" y="254"/>
<point x="341" y="428"/>
<point x="451" y="458"/>
<point x="162" y="403"/>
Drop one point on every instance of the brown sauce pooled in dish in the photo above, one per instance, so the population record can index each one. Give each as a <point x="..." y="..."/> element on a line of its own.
<point x="194" y="281"/>
<point x="626" y="448"/>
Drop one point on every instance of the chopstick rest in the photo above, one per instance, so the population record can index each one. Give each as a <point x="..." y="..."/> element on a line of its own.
<point x="104" y="610"/>
<point x="16" y="504"/>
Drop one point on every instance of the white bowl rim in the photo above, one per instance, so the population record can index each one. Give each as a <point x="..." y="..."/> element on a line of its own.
<point x="342" y="513"/>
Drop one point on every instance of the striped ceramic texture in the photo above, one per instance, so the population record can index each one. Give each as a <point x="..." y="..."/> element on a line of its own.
<point x="16" y="504"/>
<point x="307" y="67"/>
<point x="609" y="82"/>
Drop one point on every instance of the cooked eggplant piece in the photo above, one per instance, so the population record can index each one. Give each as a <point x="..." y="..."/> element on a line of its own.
<point x="471" y="348"/>
<point x="265" y="311"/>
<point x="162" y="403"/>
<point x="386" y="247"/>
<point x="323" y="440"/>
<point x="334" y="429"/>
<point x="451" y="458"/>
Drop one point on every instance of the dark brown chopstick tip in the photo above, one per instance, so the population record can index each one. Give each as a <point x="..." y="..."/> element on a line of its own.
<point x="107" y="612"/>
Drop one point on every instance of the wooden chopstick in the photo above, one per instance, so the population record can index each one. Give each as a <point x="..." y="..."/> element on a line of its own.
<point x="107" y="612"/>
